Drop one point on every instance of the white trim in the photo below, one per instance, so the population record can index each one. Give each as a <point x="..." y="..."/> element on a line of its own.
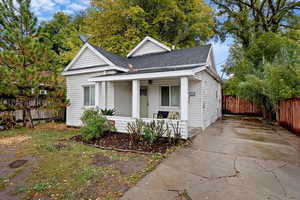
<point x="136" y="99"/>
<point x="97" y="94"/>
<point x="76" y="57"/>
<point x="144" y="41"/>
<point x="90" y="95"/>
<point x="184" y="98"/>
<point x="175" y="66"/>
<point x="208" y="55"/>
<point x="154" y="75"/>
<point x="85" y="71"/>
<point x="87" y="45"/>
<point x="170" y="96"/>
<point x="103" y="95"/>
<point x="87" y="84"/>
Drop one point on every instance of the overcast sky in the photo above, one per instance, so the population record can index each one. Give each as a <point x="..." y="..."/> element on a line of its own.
<point x="44" y="9"/>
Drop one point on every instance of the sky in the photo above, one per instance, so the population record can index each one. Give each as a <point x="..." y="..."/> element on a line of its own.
<point x="44" y="10"/>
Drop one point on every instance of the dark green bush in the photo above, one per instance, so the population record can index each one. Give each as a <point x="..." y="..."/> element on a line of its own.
<point x="108" y="112"/>
<point x="94" y="125"/>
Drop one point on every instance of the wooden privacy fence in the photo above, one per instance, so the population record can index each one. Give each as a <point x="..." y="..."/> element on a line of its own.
<point x="38" y="115"/>
<point x="289" y="114"/>
<point x="9" y="106"/>
<point x="236" y="105"/>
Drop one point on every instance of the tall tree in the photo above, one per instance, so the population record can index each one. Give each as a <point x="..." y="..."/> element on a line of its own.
<point x="27" y="63"/>
<point x="119" y="25"/>
<point x="63" y="31"/>
<point x="265" y="72"/>
<point x="247" y="19"/>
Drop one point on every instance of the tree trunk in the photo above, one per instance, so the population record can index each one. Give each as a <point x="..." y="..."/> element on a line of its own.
<point x="24" y="118"/>
<point x="28" y="122"/>
<point x="277" y="112"/>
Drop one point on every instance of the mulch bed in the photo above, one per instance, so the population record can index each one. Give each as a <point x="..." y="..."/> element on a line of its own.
<point x="122" y="142"/>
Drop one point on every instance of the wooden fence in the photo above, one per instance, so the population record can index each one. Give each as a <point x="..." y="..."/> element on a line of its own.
<point x="235" y="105"/>
<point x="289" y="114"/>
<point x="37" y="115"/>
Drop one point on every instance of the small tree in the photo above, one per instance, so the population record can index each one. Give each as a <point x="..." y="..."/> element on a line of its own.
<point x="27" y="64"/>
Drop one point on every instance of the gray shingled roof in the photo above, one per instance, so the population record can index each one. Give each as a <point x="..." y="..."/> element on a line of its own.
<point x="186" y="56"/>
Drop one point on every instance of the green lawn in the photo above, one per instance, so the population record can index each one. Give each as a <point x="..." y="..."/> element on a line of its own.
<point x="65" y="170"/>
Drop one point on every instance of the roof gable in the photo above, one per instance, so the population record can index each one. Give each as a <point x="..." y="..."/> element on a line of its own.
<point x="89" y="56"/>
<point x="87" y="59"/>
<point x="148" y="46"/>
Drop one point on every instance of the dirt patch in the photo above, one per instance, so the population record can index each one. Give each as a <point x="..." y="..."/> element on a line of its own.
<point x="121" y="141"/>
<point x="55" y="126"/>
<point x="17" y="163"/>
<point x="14" y="140"/>
<point x="130" y="167"/>
<point x="13" y="172"/>
<point x="101" y="160"/>
<point x="110" y="186"/>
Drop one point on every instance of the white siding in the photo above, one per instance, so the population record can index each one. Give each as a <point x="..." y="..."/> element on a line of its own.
<point x="75" y="95"/>
<point x="123" y="98"/>
<point x="121" y="124"/>
<point x="87" y="59"/>
<point x="195" y="118"/>
<point x="148" y="47"/>
<point x="211" y="99"/>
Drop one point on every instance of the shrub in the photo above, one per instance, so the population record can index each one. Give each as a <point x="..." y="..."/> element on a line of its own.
<point x="149" y="135"/>
<point x="176" y="131"/>
<point x="155" y="129"/>
<point x="135" y="127"/>
<point x="108" y="112"/>
<point x="94" y="125"/>
<point x="135" y="130"/>
<point x="8" y="120"/>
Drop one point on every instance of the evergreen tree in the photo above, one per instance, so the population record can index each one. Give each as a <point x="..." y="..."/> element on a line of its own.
<point x="27" y="62"/>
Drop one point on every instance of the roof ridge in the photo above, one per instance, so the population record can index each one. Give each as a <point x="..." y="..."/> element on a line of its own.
<point x="149" y="53"/>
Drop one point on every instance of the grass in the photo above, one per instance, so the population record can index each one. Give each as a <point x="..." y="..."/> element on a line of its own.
<point x="63" y="170"/>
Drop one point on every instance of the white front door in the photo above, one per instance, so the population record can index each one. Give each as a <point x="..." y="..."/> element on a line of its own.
<point x="144" y="102"/>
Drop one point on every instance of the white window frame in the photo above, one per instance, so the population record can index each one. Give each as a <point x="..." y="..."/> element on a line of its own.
<point x="170" y="96"/>
<point x="83" y="100"/>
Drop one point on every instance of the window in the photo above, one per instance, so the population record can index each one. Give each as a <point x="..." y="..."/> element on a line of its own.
<point x="89" y="95"/>
<point x="170" y="96"/>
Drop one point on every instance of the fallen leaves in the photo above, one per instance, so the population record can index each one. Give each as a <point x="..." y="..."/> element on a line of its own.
<point x="13" y="140"/>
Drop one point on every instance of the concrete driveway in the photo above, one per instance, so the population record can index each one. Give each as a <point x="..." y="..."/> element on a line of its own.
<point x="234" y="159"/>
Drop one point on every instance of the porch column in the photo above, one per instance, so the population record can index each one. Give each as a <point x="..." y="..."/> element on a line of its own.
<point x="184" y="98"/>
<point x="110" y="102"/>
<point x="103" y="95"/>
<point x="136" y="99"/>
<point x="97" y="94"/>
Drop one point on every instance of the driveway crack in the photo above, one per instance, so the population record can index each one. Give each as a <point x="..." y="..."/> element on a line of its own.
<point x="275" y="175"/>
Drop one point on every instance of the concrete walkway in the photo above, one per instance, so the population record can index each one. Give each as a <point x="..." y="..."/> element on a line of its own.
<point x="234" y="159"/>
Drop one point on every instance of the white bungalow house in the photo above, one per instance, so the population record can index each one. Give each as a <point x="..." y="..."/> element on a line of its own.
<point x="153" y="81"/>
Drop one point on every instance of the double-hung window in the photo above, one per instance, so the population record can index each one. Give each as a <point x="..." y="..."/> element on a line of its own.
<point x="170" y="96"/>
<point x="89" y="95"/>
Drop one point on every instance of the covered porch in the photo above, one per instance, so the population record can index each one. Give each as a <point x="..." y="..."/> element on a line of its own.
<point x="153" y="98"/>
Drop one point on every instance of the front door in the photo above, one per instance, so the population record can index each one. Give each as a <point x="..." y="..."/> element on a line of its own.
<point x="144" y="102"/>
